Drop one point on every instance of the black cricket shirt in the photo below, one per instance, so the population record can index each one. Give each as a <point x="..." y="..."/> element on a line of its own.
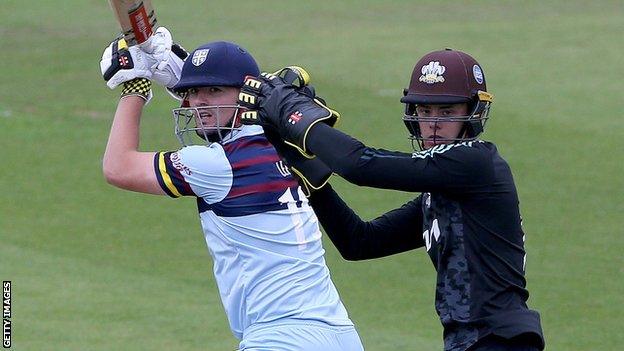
<point x="467" y="218"/>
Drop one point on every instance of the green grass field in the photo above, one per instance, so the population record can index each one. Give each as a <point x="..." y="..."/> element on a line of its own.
<point x="96" y="268"/>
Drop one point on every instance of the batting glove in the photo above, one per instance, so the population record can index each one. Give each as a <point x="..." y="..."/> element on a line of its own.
<point x="169" y="55"/>
<point x="283" y="100"/>
<point x="154" y="59"/>
<point x="311" y="173"/>
<point x="121" y="63"/>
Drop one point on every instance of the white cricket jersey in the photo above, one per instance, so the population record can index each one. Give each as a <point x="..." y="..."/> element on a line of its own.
<point x="263" y="236"/>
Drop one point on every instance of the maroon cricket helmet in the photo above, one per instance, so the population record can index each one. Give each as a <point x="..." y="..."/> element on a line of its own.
<point x="447" y="77"/>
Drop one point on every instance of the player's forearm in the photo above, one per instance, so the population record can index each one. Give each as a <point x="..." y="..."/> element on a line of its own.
<point x="340" y="223"/>
<point x="337" y="150"/>
<point x="360" y="164"/>
<point x="124" y="134"/>
<point x="123" y="164"/>
<point x="356" y="239"/>
<point x="456" y="169"/>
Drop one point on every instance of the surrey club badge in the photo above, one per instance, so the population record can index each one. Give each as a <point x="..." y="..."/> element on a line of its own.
<point x="432" y="73"/>
<point x="200" y="56"/>
<point x="477" y="73"/>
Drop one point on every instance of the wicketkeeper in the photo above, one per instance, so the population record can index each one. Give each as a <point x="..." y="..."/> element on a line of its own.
<point x="467" y="216"/>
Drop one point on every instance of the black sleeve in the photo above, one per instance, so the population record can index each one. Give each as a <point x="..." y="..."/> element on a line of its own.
<point x="453" y="167"/>
<point x="396" y="231"/>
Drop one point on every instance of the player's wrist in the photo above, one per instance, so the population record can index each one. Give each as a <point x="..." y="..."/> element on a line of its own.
<point x="312" y="174"/>
<point x="140" y="87"/>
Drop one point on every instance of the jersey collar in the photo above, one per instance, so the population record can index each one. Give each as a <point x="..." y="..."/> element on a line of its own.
<point x="245" y="130"/>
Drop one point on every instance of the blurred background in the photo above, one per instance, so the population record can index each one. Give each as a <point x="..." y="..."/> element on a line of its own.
<point x="97" y="268"/>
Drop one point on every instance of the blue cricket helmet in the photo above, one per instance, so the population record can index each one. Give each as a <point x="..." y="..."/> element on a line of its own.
<point x="218" y="63"/>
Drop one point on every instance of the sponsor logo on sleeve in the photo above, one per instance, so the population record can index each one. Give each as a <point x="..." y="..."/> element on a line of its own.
<point x="177" y="164"/>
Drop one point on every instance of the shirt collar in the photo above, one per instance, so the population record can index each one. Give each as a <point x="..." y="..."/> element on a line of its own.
<point x="245" y="130"/>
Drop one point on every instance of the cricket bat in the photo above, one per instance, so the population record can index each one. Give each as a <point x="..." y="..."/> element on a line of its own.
<point x="136" y="19"/>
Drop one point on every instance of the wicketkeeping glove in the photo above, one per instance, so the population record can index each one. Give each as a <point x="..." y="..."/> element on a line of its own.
<point x="283" y="101"/>
<point x="311" y="173"/>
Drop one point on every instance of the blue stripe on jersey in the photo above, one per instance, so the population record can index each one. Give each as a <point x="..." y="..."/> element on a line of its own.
<point x="247" y="147"/>
<point x="257" y="182"/>
<point x="263" y="202"/>
<point x="250" y="177"/>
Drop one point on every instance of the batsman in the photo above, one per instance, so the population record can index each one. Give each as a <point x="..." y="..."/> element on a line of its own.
<point x="263" y="236"/>
<point x="466" y="215"/>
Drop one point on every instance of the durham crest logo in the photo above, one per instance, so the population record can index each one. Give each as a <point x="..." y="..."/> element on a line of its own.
<point x="432" y="73"/>
<point x="200" y="56"/>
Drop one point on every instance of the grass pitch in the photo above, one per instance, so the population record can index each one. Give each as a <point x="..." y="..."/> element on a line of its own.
<point x="96" y="268"/>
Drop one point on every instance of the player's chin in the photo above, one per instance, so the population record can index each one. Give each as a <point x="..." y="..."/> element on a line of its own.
<point x="211" y="136"/>
<point x="429" y="143"/>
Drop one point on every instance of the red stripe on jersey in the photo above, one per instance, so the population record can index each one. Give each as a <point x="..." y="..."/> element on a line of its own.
<point x="247" y="142"/>
<point x="255" y="160"/>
